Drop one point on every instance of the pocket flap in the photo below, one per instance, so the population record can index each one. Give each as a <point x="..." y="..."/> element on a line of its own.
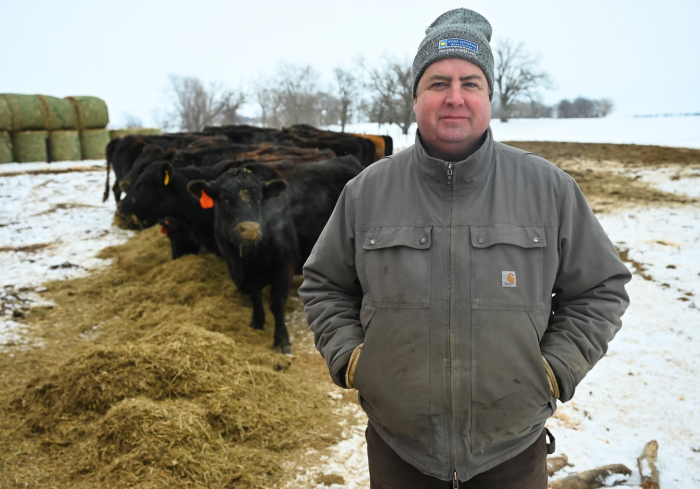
<point x="523" y="236"/>
<point x="410" y="236"/>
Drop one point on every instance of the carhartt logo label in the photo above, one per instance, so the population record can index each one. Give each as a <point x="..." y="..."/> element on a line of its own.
<point x="508" y="279"/>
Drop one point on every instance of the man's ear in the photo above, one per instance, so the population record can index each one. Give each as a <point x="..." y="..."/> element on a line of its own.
<point x="166" y="170"/>
<point x="273" y="188"/>
<point x="203" y="192"/>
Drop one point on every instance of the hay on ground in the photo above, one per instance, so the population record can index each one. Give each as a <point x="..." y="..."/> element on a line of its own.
<point x="65" y="146"/>
<point x="6" y="154"/>
<point x="150" y="377"/>
<point x="59" y="113"/>
<point x="93" y="144"/>
<point x="91" y="111"/>
<point x="29" y="146"/>
<point x="27" y="112"/>
<point x="5" y="116"/>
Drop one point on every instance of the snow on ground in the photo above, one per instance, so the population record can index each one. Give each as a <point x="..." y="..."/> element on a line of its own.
<point x="681" y="132"/>
<point x="51" y="227"/>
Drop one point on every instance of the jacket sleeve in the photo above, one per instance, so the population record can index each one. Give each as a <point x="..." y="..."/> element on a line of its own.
<point x="589" y="294"/>
<point x="331" y="290"/>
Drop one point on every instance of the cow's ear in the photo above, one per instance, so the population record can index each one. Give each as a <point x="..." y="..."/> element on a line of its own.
<point x="203" y="192"/>
<point x="166" y="173"/>
<point x="273" y="188"/>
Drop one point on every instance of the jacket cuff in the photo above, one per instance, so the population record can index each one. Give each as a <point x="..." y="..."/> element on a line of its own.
<point x="337" y="368"/>
<point x="564" y="379"/>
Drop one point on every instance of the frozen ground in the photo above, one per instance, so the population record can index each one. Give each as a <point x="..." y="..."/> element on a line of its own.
<point x="661" y="131"/>
<point x="52" y="224"/>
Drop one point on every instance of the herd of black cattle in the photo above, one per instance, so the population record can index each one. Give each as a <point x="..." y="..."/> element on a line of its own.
<point x="258" y="197"/>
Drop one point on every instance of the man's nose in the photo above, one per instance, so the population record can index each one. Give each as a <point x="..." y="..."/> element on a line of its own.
<point x="454" y="96"/>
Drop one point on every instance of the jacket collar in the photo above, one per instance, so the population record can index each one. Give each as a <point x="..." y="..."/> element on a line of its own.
<point x="466" y="173"/>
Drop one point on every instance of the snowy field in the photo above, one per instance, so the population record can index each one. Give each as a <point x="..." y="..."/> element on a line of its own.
<point x="683" y="132"/>
<point x="53" y="222"/>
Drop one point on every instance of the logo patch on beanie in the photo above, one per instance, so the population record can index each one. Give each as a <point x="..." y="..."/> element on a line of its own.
<point x="458" y="44"/>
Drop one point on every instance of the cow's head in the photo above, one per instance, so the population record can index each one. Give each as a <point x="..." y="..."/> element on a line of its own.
<point x="238" y="197"/>
<point x="150" y="198"/>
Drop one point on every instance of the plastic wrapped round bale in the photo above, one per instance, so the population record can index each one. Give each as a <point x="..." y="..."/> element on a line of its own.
<point x="65" y="146"/>
<point x="93" y="143"/>
<point x="29" y="146"/>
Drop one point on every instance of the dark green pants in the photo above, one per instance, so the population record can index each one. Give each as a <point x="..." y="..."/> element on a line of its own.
<point x="527" y="470"/>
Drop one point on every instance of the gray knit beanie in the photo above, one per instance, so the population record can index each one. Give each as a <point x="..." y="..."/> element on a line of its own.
<point x="458" y="33"/>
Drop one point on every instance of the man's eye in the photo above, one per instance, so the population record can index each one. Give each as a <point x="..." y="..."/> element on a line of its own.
<point x="438" y="85"/>
<point x="471" y="85"/>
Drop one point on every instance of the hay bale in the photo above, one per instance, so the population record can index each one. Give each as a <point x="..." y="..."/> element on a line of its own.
<point x="93" y="143"/>
<point x="29" y="146"/>
<point x="120" y="133"/>
<point x="65" y="146"/>
<point x="27" y="112"/>
<point x="150" y="131"/>
<point x="59" y="113"/>
<point x="5" y="116"/>
<point x="92" y="112"/>
<point x="6" y="154"/>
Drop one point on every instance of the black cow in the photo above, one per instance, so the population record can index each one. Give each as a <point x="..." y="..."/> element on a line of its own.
<point x="255" y="233"/>
<point x="180" y="235"/>
<point x="160" y="192"/>
<point x="253" y="229"/>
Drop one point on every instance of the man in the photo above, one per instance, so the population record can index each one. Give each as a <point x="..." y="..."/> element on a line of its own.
<point x="461" y="286"/>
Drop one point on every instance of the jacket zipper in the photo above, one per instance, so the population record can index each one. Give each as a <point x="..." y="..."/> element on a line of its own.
<point x="455" y="478"/>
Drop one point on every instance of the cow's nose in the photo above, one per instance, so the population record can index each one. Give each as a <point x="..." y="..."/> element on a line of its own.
<point x="249" y="230"/>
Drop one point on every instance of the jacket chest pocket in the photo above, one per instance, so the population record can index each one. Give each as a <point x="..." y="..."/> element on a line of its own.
<point x="506" y="267"/>
<point x="397" y="265"/>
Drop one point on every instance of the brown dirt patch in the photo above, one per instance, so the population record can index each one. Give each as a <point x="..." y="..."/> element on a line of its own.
<point x="606" y="172"/>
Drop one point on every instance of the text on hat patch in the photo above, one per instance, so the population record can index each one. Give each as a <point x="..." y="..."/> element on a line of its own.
<point x="458" y="44"/>
<point x="508" y="279"/>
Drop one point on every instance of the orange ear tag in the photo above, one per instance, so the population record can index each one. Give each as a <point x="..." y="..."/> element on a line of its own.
<point x="167" y="178"/>
<point x="205" y="201"/>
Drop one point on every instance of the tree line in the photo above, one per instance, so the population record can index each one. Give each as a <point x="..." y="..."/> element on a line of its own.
<point x="380" y="93"/>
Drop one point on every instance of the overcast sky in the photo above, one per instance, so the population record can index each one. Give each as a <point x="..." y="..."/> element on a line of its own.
<point x="642" y="54"/>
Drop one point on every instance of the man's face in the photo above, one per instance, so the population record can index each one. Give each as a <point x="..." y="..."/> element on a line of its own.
<point x="452" y="108"/>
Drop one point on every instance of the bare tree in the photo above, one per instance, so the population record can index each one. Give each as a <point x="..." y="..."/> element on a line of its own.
<point x="582" y="107"/>
<point x="391" y="88"/>
<point x="516" y="76"/>
<point x="196" y="106"/>
<point x="298" y="95"/>
<point x="346" y="90"/>
<point x="605" y="106"/>
<point x="132" y="122"/>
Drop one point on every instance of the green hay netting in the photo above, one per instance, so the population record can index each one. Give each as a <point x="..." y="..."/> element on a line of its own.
<point x="120" y="133"/>
<point x="5" y="116"/>
<point x="93" y="143"/>
<point x="29" y="146"/>
<point x="150" y="132"/>
<point x="6" y="154"/>
<point x="26" y="112"/>
<point x="60" y="113"/>
<point x="65" y="146"/>
<point x="92" y="112"/>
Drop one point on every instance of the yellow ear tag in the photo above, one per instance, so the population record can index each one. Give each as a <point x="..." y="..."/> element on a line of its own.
<point x="167" y="178"/>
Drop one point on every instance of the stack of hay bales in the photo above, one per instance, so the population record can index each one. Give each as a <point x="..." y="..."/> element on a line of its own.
<point x="6" y="154"/>
<point x="73" y="128"/>
<point x="93" y="118"/>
